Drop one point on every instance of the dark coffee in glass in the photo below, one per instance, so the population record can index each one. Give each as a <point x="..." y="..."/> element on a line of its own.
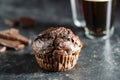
<point x="99" y="16"/>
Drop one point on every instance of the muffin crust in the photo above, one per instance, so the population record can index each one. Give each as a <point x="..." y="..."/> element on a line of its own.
<point x="57" y="41"/>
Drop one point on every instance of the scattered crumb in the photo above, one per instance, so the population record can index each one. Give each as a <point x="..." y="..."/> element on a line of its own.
<point x="90" y="60"/>
<point x="94" y="56"/>
<point x="66" y="74"/>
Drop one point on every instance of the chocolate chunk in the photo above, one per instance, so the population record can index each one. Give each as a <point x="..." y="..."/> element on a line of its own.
<point x="11" y="22"/>
<point x="22" y="21"/>
<point x="12" y="44"/>
<point x="14" y="35"/>
<point x="11" y="38"/>
<point x="26" y="21"/>
<point x="10" y="31"/>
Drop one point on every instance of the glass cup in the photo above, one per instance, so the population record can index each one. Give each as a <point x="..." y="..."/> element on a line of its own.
<point x="99" y="16"/>
<point x="77" y="15"/>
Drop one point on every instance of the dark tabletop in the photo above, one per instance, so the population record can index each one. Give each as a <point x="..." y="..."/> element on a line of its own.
<point x="99" y="60"/>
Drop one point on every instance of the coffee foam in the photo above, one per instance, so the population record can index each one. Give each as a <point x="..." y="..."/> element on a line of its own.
<point x="97" y="0"/>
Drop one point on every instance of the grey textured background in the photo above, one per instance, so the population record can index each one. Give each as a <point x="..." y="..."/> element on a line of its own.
<point x="99" y="60"/>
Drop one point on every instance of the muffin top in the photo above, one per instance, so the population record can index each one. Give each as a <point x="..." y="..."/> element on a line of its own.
<point x="57" y="41"/>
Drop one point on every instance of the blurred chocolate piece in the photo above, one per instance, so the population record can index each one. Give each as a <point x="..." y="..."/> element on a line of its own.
<point x="22" y="21"/>
<point x="11" y="22"/>
<point x="13" y="34"/>
<point x="2" y="48"/>
<point x="10" y="31"/>
<point x="21" y="38"/>
<point x="11" y="38"/>
<point x="12" y="44"/>
<point x="27" y="21"/>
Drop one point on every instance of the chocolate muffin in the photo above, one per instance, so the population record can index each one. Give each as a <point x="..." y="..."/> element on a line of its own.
<point x="57" y="49"/>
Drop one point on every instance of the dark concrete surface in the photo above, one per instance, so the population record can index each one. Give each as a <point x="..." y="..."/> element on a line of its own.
<point x="99" y="60"/>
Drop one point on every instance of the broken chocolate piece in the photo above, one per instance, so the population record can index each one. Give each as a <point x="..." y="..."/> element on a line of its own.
<point x="21" y="39"/>
<point x="26" y="21"/>
<point x="11" y="31"/>
<point x="12" y="44"/>
<point x="11" y="38"/>
<point x="22" y="21"/>
<point x="2" y="48"/>
<point x="13" y="34"/>
<point x="11" y="22"/>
